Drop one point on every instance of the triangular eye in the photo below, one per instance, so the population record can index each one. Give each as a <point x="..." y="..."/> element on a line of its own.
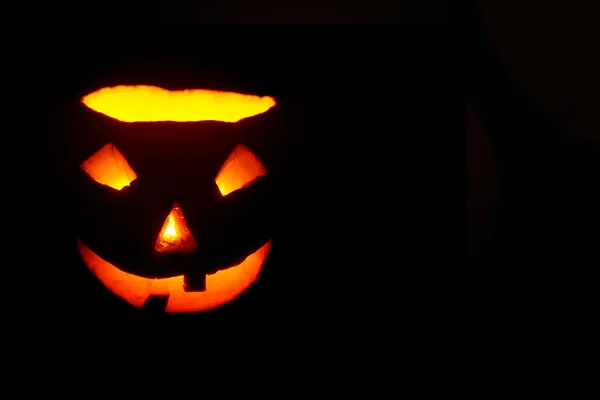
<point x="109" y="167"/>
<point x="239" y="170"/>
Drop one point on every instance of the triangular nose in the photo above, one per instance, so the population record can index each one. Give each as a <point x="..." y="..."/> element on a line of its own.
<point x="175" y="235"/>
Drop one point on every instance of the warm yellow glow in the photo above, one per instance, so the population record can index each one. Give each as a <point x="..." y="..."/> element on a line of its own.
<point x="108" y="167"/>
<point x="240" y="169"/>
<point x="221" y="287"/>
<point x="170" y="232"/>
<point x="150" y="103"/>
<point x="175" y="234"/>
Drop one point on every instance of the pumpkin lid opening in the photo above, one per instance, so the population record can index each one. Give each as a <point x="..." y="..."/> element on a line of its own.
<point x="143" y="103"/>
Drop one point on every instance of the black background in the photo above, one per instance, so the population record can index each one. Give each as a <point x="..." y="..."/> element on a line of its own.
<point x="371" y="242"/>
<point x="236" y="12"/>
<point x="531" y="288"/>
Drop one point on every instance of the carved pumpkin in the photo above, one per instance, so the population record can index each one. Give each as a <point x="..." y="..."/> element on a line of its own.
<point x="170" y="199"/>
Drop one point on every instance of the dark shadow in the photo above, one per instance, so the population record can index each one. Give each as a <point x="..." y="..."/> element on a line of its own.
<point x="527" y="291"/>
<point x="155" y="306"/>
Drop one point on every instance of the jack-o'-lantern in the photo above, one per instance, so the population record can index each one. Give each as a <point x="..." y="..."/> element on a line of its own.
<point x="170" y="194"/>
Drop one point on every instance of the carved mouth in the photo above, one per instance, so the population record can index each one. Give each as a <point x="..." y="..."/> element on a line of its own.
<point x="221" y="287"/>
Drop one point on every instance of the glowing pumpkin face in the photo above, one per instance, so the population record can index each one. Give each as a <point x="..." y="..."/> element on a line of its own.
<point x="169" y="202"/>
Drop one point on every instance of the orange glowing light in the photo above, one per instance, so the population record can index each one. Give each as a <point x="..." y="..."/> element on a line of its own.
<point x="108" y="167"/>
<point x="239" y="170"/>
<point x="221" y="287"/>
<point x="175" y="234"/>
<point x="150" y="104"/>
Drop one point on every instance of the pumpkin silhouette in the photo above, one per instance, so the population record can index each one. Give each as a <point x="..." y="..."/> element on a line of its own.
<point x="170" y="187"/>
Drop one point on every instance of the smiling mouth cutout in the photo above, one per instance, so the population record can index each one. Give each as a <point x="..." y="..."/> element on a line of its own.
<point x="109" y="167"/>
<point x="221" y="287"/>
